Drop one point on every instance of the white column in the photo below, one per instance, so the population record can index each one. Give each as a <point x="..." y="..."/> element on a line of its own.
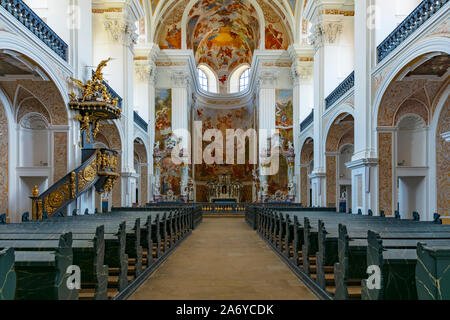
<point x="180" y="122"/>
<point x="363" y="162"/>
<point x="325" y="35"/>
<point x="302" y="66"/>
<point x="267" y="118"/>
<point x="115" y="36"/>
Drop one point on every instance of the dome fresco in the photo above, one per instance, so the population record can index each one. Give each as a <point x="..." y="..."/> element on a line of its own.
<point x="223" y="34"/>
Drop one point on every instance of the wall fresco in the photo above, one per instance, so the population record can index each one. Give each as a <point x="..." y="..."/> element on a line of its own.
<point x="223" y="34"/>
<point x="170" y="173"/>
<point x="284" y="119"/>
<point x="223" y="119"/>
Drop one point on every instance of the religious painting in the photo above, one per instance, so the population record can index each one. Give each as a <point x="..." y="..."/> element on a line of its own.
<point x="275" y="37"/>
<point x="169" y="174"/>
<point x="169" y="30"/>
<point x="223" y="34"/>
<point x="284" y="115"/>
<point x="220" y="119"/>
<point x="284" y="120"/>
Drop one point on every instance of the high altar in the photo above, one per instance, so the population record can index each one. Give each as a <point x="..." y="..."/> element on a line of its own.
<point x="224" y="190"/>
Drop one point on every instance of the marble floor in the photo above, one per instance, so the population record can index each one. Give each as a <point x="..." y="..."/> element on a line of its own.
<point x="223" y="260"/>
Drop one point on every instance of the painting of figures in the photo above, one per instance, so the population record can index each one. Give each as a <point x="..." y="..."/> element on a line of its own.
<point x="170" y="175"/>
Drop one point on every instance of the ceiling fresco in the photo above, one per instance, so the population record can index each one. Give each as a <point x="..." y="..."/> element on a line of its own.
<point x="223" y="34"/>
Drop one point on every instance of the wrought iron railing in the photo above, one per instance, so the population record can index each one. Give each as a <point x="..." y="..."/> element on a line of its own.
<point x="417" y="18"/>
<point x="341" y="89"/>
<point x="140" y="122"/>
<point x="36" y="25"/>
<point x="307" y="122"/>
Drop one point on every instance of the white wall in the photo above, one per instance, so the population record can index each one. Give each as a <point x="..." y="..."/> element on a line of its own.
<point x="389" y="14"/>
<point x="339" y="57"/>
<point x="34" y="148"/>
<point x="55" y="13"/>
<point x="412" y="148"/>
<point x="411" y="196"/>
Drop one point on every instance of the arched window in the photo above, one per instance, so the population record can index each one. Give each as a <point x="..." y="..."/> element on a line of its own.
<point x="203" y="79"/>
<point x="244" y="80"/>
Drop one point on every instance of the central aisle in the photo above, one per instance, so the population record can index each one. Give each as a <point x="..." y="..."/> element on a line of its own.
<point x="223" y="260"/>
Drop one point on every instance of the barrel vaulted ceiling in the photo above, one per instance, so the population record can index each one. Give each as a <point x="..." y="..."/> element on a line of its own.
<point x="223" y="34"/>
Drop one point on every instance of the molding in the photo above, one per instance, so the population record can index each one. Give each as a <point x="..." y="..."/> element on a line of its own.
<point x="371" y="162"/>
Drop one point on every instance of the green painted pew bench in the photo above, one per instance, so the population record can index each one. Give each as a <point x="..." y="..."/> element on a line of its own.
<point x="115" y="241"/>
<point x="41" y="275"/>
<point x="88" y="255"/>
<point x="433" y="272"/>
<point x="7" y="274"/>
<point x="398" y="268"/>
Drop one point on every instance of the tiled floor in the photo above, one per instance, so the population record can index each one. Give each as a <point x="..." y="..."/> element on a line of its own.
<point x="223" y="260"/>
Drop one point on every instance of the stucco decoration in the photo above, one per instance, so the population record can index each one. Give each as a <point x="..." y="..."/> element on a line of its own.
<point x="3" y="160"/>
<point x="32" y="105"/>
<point x="44" y="91"/>
<point x="443" y="162"/>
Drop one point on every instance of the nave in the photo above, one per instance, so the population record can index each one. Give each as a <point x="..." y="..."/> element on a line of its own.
<point x="171" y="252"/>
<point x="223" y="260"/>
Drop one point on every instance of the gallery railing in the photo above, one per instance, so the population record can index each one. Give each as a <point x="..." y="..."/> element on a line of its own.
<point x="342" y="89"/>
<point x="140" y="122"/>
<point x="307" y="122"/>
<point x="417" y="18"/>
<point x="36" y="25"/>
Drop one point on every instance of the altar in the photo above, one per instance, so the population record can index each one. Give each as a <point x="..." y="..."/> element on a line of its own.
<point x="224" y="191"/>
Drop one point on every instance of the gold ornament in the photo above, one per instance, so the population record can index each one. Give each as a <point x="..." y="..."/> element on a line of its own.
<point x="56" y="199"/>
<point x="35" y="192"/>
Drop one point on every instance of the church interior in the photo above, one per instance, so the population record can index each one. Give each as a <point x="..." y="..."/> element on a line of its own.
<point x="224" y="150"/>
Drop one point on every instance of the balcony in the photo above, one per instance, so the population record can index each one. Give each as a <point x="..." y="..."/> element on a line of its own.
<point x="140" y="122"/>
<point x="307" y="122"/>
<point x="37" y="26"/>
<point x="342" y="89"/>
<point x="417" y="18"/>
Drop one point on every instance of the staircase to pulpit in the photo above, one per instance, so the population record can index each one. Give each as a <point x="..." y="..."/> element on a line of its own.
<point x="96" y="102"/>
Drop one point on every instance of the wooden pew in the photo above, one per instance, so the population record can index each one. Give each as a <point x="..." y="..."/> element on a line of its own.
<point x="400" y="229"/>
<point x="42" y="275"/>
<point x="433" y="272"/>
<point x="7" y="274"/>
<point x="87" y="254"/>
<point x="115" y="255"/>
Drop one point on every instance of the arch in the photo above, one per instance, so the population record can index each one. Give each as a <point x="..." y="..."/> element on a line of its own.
<point x="442" y="106"/>
<point x="330" y="129"/>
<point x="340" y="110"/>
<point x="235" y="76"/>
<point x="212" y="77"/>
<point x="429" y="45"/>
<point x="25" y="48"/>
